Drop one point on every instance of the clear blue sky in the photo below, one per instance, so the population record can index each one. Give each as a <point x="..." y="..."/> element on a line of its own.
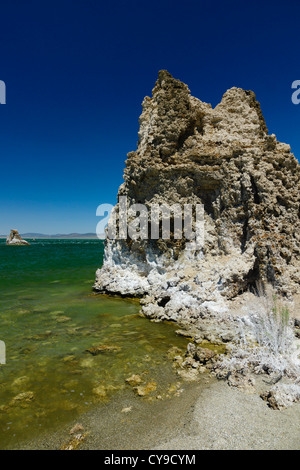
<point x="77" y="71"/>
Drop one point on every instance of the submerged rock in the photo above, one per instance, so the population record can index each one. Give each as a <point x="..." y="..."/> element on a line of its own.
<point x="22" y="398"/>
<point x="40" y="336"/>
<point x="144" y="390"/>
<point x="14" y="238"/>
<point x="63" y="319"/>
<point x="20" y="381"/>
<point x="173" y="352"/>
<point x="100" y="391"/>
<point x="189" y="375"/>
<point x="134" y="380"/>
<point x="103" y="348"/>
<point x="249" y="184"/>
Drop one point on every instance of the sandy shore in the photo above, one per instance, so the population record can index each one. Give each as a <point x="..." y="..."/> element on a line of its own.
<point x="224" y="418"/>
<point x="207" y="415"/>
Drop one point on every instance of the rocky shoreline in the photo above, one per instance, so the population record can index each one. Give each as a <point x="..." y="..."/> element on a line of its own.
<point x="206" y="408"/>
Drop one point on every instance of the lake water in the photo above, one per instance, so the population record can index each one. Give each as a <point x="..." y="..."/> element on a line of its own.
<point x="49" y="317"/>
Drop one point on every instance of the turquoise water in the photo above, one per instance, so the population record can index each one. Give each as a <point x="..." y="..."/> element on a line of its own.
<point x="49" y="317"/>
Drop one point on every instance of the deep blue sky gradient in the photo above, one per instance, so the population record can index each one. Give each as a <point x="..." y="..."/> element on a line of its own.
<point x="77" y="71"/>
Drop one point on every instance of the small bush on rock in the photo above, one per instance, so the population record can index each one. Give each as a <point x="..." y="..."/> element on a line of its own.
<point x="267" y="342"/>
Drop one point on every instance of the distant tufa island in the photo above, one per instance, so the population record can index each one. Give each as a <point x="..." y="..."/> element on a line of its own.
<point x="91" y="236"/>
<point x="14" y="238"/>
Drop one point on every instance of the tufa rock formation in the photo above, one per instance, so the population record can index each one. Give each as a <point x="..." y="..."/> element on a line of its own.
<point x="14" y="238"/>
<point x="249" y="184"/>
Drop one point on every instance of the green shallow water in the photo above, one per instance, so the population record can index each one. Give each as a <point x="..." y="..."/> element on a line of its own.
<point x="49" y="316"/>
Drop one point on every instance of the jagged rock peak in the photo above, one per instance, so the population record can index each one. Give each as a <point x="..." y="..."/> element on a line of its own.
<point x="166" y="81"/>
<point x="173" y="121"/>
